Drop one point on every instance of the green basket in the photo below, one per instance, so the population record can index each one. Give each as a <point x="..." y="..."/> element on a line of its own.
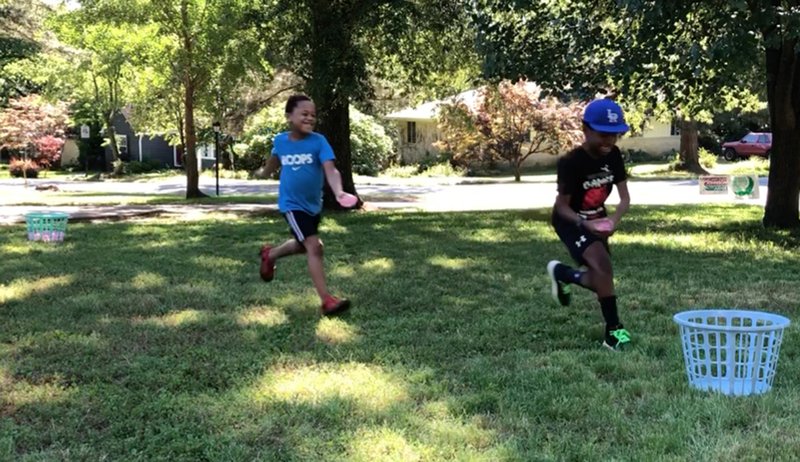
<point x="47" y="226"/>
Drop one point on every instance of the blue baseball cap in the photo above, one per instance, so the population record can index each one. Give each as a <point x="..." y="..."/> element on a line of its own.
<point x="604" y="115"/>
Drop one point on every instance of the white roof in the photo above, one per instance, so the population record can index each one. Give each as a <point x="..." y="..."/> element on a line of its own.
<point x="429" y="110"/>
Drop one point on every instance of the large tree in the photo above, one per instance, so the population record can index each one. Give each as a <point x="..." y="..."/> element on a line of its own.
<point x="105" y="62"/>
<point x="343" y="48"/>
<point x="206" y="46"/>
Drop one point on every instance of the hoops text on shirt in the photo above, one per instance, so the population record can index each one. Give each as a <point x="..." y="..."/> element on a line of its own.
<point x="297" y="159"/>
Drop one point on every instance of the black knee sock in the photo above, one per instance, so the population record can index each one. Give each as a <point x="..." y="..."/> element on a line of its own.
<point x="609" y="307"/>
<point x="568" y="274"/>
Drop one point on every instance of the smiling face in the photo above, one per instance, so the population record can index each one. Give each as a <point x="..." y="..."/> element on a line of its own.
<point x="599" y="144"/>
<point x="302" y="118"/>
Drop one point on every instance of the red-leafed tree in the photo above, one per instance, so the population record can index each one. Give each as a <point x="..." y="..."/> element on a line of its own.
<point x="24" y="124"/>
<point x="48" y="150"/>
<point x="510" y="122"/>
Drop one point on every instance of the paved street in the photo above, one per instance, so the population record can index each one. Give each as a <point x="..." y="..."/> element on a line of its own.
<point x="427" y="194"/>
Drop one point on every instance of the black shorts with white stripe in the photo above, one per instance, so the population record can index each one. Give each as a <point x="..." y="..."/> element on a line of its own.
<point x="302" y="225"/>
<point x="577" y="239"/>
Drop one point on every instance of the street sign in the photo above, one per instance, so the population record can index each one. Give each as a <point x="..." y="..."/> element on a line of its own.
<point x="85" y="131"/>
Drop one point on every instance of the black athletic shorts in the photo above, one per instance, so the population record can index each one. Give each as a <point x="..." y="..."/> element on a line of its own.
<point x="302" y="225"/>
<point x="577" y="239"/>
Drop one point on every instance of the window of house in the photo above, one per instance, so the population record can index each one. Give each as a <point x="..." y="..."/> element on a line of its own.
<point x="411" y="132"/>
<point x="675" y="128"/>
<point x="122" y="145"/>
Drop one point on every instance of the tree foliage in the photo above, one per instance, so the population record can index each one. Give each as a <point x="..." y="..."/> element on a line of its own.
<point x="696" y="58"/>
<point x="510" y="122"/>
<point x="343" y="49"/>
<point x="20" y="38"/>
<point x="35" y="129"/>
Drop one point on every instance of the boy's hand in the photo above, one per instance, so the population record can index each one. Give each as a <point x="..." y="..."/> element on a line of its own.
<point x="601" y="227"/>
<point x="346" y="200"/>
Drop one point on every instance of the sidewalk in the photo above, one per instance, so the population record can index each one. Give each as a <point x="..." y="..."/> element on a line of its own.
<point x="429" y="196"/>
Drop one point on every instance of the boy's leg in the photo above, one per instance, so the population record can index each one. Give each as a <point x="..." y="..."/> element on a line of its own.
<point x="600" y="277"/>
<point x="289" y="247"/>
<point x="269" y="255"/>
<point x="577" y="240"/>
<point x="316" y="268"/>
<point x="305" y="229"/>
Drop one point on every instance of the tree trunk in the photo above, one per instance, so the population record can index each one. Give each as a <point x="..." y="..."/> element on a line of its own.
<point x="190" y="152"/>
<point x="783" y="97"/>
<point x="328" y="87"/>
<point x="517" y="173"/>
<point x="689" y="147"/>
<point x="334" y="123"/>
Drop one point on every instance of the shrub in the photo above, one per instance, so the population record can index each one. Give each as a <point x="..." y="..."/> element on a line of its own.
<point x="48" y="150"/>
<point x="258" y="151"/>
<point x="635" y="156"/>
<point x="443" y="169"/>
<point x="371" y="147"/>
<point x="708" y="159"/>
<point x="401" y="171"/>
<point x="30" y="167"/>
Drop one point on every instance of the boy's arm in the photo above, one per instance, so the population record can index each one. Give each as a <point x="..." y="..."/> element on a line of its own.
<point x="272" y="165"/>
<point x="565" y="211"/>
<point x="624" y="201"/>
<point x="334" y="178"/>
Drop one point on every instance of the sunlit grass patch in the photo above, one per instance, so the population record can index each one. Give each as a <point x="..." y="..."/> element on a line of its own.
<point x="384" y="444"/>
<point x="335" y="331"/>
<point x="452" y="263"/>
<point x="22" y="288"/>
<point x="379" y="265"/>
<point x="176" y="319"/>
<point x="262" y="316"/>
<point x="367" y="386"/>
<point x="147" y="280"/>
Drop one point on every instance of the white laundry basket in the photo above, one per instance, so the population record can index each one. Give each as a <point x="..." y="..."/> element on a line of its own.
<point x="734" y="352"/>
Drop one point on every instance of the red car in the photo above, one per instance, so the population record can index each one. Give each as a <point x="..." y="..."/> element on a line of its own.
<point x="753" y="144"/>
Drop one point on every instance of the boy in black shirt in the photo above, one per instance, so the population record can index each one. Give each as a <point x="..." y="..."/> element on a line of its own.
<point x="586" y="176"/>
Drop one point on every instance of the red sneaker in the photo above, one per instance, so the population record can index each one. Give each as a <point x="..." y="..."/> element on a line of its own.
<point x="333" y="305"/>
<point x="267" y="266"/>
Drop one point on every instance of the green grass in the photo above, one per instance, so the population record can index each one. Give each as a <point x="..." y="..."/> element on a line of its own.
<point x="156" y="340"/>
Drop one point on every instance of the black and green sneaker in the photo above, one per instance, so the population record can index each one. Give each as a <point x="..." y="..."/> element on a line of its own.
<point x="617" y="339"/>
<point x="559" y="290"/>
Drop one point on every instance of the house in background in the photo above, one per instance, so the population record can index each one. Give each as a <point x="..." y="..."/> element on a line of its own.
<point x="142" y="147"/>
<point x="418" y="131"/>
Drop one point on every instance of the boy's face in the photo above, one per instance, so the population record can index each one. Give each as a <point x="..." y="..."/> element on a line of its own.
<point x="599" y="143"/>
<point x="303" y="117"/>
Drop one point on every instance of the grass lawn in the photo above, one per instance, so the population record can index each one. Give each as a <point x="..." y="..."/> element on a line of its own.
<point x="156" y="340"/>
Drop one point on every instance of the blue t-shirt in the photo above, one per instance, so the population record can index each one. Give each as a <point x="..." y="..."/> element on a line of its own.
<point x="301" y="171"/>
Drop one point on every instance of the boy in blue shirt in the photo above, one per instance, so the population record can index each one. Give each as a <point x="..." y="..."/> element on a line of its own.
<point x="304" y="156"/>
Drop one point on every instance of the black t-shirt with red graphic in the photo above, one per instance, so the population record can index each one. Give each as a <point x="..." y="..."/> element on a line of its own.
<point x="589" y="181"/>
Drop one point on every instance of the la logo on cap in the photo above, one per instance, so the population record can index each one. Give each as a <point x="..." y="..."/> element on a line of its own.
<point x="612" y="116"/>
